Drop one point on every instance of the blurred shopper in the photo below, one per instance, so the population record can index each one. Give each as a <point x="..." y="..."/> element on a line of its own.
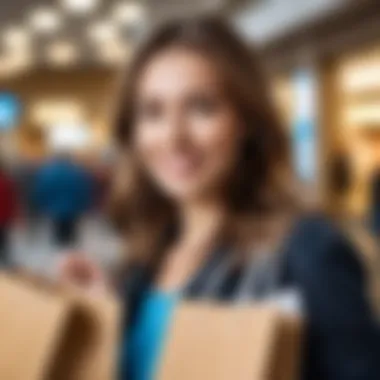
<point x="7" y="213"/>
<point x="208" y="177"/>
<point x="340" y="180"/>
<point x="63" y="192"/>
<point x="341" y="174"/>
<point x="102" y="181"/>
<point x="25" y="174"/>
<point x="375" y="203"/>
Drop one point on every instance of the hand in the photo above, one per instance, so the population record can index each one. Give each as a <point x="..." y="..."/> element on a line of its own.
<point x="78" y="270"/>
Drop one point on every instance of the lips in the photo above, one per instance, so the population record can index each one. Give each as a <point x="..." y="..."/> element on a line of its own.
<point x="180" y="166"/>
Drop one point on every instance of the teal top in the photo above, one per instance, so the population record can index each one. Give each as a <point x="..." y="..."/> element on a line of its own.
<point x="143" y="344"/>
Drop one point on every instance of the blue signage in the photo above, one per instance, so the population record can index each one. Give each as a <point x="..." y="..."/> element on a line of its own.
<point x="10" y="111"/>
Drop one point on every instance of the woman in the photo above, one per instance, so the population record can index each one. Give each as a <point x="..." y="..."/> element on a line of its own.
<point x="207" y="182"/>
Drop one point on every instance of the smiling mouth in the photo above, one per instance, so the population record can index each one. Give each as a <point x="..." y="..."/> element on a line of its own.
<point x="180" y="166"/>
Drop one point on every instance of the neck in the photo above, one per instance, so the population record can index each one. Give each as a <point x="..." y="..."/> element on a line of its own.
<point x="201" y="220"/>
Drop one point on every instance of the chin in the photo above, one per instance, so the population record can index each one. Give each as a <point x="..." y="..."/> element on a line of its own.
<point x="183" y="192"/>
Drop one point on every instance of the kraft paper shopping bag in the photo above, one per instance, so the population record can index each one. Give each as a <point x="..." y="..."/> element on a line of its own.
<point x="31" y="323"/>
<point x="241" y="342"/>
<point x="51" y="332"/>
<point x="89" y="344"/>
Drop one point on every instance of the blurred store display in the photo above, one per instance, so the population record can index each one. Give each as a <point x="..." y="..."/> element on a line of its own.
<point x="60" y="62"/>
<point x="10" y="111"/>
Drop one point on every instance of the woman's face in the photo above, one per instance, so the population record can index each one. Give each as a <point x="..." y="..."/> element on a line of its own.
<point x="186" y="129"/>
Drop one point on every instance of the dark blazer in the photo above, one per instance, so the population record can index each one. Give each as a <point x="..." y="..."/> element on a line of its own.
<point x="342" y="334"/>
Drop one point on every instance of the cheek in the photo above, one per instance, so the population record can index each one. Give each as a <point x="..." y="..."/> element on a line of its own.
<point x="146" y="142"/>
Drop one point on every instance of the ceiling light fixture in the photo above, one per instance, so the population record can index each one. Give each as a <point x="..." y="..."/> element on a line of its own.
<point x="45" y="20"/>
<point x="62" y="53"/>
<point x="362" y="77"/>
<point x="80" y="6"/>
<point x="114" y="53"/>
<point x="12" y="64"/>
<point x="127" y="13"/>
<point x="47" y="112"/>
<point x="102" y="32"/>
<point x="16" y="38"/>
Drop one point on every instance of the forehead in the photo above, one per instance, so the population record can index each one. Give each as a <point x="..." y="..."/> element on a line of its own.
<point x="178" y="70"/>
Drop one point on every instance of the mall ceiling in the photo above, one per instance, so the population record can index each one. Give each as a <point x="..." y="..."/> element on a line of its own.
<point x="62" y="33"/>
<point x="103" y="33"/>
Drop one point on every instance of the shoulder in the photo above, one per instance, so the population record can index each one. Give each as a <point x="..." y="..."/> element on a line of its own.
<point x="317" y="246"/>
<point x="315" y="225"/>
<point x="327" y="268"/>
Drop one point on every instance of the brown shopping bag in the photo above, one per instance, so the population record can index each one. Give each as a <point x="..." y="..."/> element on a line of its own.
<point x="52" y="333"/>
<point x="242" y="342"/>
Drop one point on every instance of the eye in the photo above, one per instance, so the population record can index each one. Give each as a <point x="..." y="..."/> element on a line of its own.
<point x="148" y="111"/>
<point x="203" y="104"/>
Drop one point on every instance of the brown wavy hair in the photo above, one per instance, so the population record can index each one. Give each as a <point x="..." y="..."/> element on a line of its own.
<point x="259" y="189"/>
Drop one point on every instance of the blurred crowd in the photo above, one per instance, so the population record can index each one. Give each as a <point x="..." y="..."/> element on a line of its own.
<point x="60" y="189"/>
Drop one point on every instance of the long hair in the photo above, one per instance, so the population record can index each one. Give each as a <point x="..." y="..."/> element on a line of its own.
<point x="258" y="190"/>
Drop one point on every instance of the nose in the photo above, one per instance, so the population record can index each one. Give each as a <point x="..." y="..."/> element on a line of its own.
<point x="175" y="130"/>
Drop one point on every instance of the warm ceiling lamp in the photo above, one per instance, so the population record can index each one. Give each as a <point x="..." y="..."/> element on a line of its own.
<point x="113" y="53"/>
<point x="362" y="115"/>
<point x="62" y="53"/>
<point x="16" y="38"/>
<point x="47" y="112"/>
<point x="45" y="20"/>
<point x="360" y="76"/>
<point x="80" y="6"/>
<point x="12" y="64"/>
<point x="127" y="13"/>
<point x="102" y="32"/>
<point x="6" y="68"/>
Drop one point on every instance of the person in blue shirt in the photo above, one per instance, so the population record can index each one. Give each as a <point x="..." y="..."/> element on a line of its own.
<point x="207" y="186"/>
<point x="63" y="192"/>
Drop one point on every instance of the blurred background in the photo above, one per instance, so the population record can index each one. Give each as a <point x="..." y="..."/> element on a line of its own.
<point x="59" y="67"/>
